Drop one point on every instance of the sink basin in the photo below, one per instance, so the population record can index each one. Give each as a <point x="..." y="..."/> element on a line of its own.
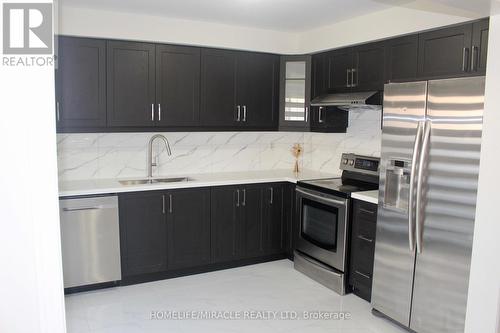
<point x="154" y="180"/>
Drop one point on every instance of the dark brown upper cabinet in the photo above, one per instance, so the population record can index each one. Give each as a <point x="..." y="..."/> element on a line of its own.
<point x="218" y="88"/>
<point x="445" y="52"/>
<point x="131" y="84"/>
<point x="177" y="86"/>
<point x="319" y="74"/>
<point x="401" y="58"/>
<point x="340" y="65"/>
<point x="257" y="90"/>
<point x="368" y="67"/>
<point x="479" y="50"/>
<point x="239" y="89"/>
<point x="81" y="83"/>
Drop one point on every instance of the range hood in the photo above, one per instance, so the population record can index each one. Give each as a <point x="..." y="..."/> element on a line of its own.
<point x="366" y="99"/>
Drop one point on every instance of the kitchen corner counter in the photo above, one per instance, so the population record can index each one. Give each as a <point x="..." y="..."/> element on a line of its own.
<point x="108" y="186"/>
<point x="368" y="196"/>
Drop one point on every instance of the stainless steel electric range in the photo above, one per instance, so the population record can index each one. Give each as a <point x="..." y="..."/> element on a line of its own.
<point x="323" y="210"/>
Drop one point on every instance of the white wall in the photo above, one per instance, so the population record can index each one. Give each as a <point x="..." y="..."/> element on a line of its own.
<point x="383" y="24"/>
<point x="483" y="308"/>
<point x="31" y="286"/>
<point x="379" y="25"/>
<point x="108" y="24"/>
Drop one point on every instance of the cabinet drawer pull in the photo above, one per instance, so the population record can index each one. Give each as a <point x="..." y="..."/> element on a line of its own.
<point x="272" y="195"/>
<point x="152" y="112"/>
<point x="159" y="112"/>
<point x="244" y="113"/>
<point x="163" y="204"/>
<point x="347" y="81"/>
<point x="371" y="212"/>
<point x="237" y="198"/>
<point x="170" y="209"/>
<point x="238" y="117"/>
<point x="464" y="59"/>
<point x="58" y="114"/>
<point x="244" y="198"/>
<point x="365" y="239"/>
<point x="363" y="275"/>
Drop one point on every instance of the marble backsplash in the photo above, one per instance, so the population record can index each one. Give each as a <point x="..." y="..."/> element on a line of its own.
<point x="122" y="155"/>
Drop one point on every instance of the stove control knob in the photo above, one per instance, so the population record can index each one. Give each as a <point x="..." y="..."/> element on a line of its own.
<point x="351" y="162"/>
<point x="345" y="161"/>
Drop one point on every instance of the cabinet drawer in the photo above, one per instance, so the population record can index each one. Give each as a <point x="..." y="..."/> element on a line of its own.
<point x="366" y="211"/>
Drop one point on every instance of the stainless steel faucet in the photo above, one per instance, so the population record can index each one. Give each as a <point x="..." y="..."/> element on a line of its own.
<point x="151" y="164"/>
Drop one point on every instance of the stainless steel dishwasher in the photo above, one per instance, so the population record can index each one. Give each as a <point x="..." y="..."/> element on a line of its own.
<point x="90" y="240"/>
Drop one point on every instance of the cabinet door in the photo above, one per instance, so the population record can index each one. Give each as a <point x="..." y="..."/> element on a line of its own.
<point x="257" y="90"/>
<point x="339" y="64"/>
<point x="329" y="119"/>
<point x="226" y="228"/>
<point x="251" y="203"/>
<point x="401" y="58"/>
<point x="188" y="217"/>
<point x="273" y="219"/>
<point x="81" y="83"/>
<point x="143" y="233"/>
<point x="289" y="218"/>
<point x="479" y="47"/>
<point x="445" y="53"/>
<point x="218" y="93"/>
<point x="295" y="82"/>
<point x="369" y="67"/>
<point x="131" y="84"/>
<point x="319" y="75"/>
<point x="177" y="85"/>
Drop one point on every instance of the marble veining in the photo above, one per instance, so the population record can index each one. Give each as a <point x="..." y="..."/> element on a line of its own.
<point x="123" y="155"/>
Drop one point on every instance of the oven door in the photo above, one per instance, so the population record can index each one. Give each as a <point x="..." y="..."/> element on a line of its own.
<point x="323" y="227"/>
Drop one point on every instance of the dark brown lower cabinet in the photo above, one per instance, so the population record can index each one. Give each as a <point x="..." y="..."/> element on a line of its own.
<point x="364" y="223"/>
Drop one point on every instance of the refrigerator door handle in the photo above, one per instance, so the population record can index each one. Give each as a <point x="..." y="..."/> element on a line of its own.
<point x="423" y="159"/>
<point x="416" y="150"/>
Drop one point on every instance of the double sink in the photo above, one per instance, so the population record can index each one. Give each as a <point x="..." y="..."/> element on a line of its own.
<point x="154" y="180"/>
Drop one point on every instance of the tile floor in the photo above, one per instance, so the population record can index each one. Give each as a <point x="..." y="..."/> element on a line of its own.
<point x="273" y="286"/>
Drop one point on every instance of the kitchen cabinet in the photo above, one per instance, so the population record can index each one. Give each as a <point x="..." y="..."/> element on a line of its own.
<point x="143" y="233"/>
<point x="257" y="90"/>
<point x="445" y="52"/>
<point x="130" y="84"/>
<point x="340" y="65"/>
<point x="319" y="74"/>
<point x="290" y="229"/>
<point x="239" y="89"/>
<point x="479" y="50"/>
<point x="81" y="83"/>
<point x="250" y="216"/>
<point x="295" y="91"/>
<point x="188" y="227"/>
<point x="401" y="58"/>
<point x="218" y="88"/>
<point x="368" y="71"/>
<point x="177" y="86"/>
<point x="329" y="119"/>
<point x="364" y="221"/>
<point x="273" y="219"/>
<point x="226" y="227"/>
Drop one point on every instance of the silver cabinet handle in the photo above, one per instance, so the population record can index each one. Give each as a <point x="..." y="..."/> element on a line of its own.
<point x="473" y="65"/>
<point x="272" y="195"/>
<point x="170" y="208"/>
<point x="159" y="112"/>
<point x="306" y="113"/>
<point x="365" y="239"/>
<point x="464" y="59"/>
<point x="152" y="112"/>
<point x="421" y="166"/>
<point x="416" y="149"/>
<point x="371" y="212"/>
<point x="363" y="275"/>
<point x="237" y="198"/>
<point x="244" y="198"/>
<point x="238" y="108"/>
<point x="80" y="208"/>
<point x="320" y="115"/>
<point x="347" y="81"/>
<point x="58" y="114"/>
<point x="352" y="78"/>
<point x="244" y="113"/>
<point x="163" y="203"/>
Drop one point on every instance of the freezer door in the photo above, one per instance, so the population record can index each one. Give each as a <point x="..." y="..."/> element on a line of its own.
<point x="450" y="175"/>
<point x="404" y="109"/>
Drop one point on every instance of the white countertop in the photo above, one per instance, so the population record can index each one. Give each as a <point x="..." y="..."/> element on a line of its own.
<point x="105" y="186"/>
<point x="368" y="196"/>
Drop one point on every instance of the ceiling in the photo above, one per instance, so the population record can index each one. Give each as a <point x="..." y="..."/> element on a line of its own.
<point x="281" y="15"/>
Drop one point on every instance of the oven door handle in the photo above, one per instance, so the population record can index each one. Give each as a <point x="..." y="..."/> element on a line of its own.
<point x="320" y="198"/>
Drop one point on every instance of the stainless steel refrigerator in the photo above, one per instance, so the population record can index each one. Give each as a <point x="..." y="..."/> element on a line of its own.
<point x="429" y="167"/>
